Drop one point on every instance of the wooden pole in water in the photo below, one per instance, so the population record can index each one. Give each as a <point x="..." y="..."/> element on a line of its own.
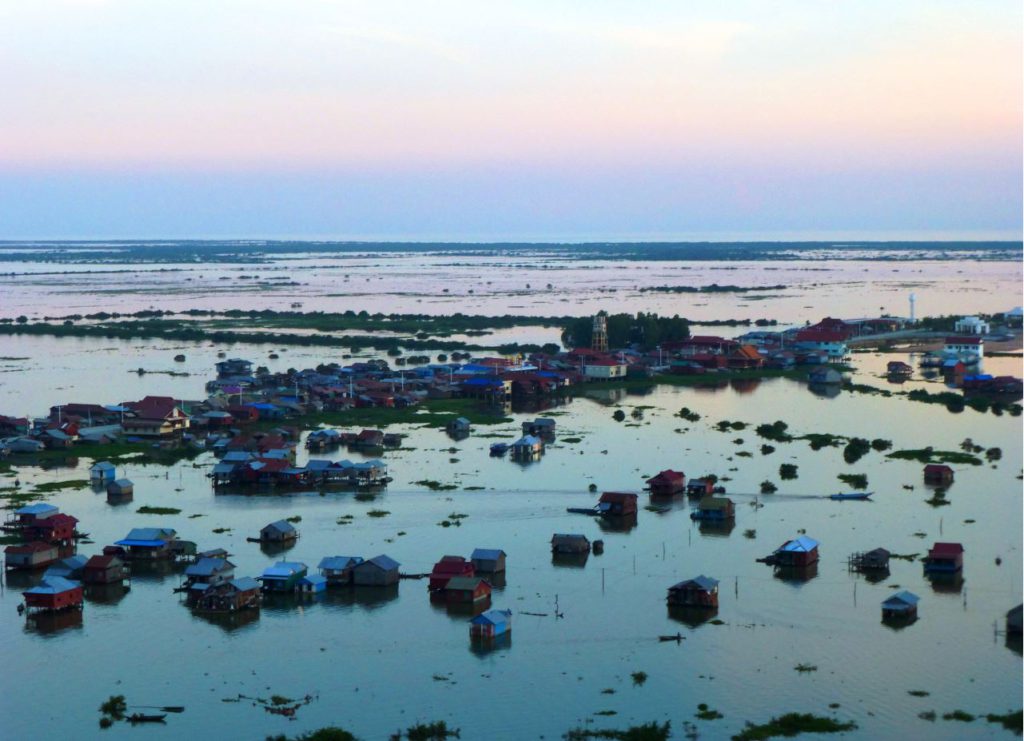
<point x="736" y="587"/>
<point x="602" y="580"/>
<point x="663" y="550"/>
<point x="855" y="594"/>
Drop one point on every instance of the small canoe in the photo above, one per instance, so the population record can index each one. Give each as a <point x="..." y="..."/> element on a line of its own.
<point x="142" y="718"/>
<point x="852" y="495"/>
<point x="582" y="510"/>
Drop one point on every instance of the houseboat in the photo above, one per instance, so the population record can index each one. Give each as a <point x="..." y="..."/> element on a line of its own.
<point x="35" y="555"/>
<point x="901" y="606"/>
<point x="231" y="596"/>
<point x="283" y="576"/>
<point x="25" y="516"/>
<point x="338" y="570"/>
<point x="699" y="487"/>
<point x="149" y="543"/>
<point x="667" y="483"/>
<point x="701" y="591"/>
<point x="466" y="590"/>
<point x="799" y="552"/>
<point x="102" y="473"/>
<point x="279" y="532"/>
<point x="53" y="594"/>
<point x="488" y="560"/>
<point x="938" y="475"/>
<point x="104" y="570"/>
<point x="378" y="571"/>
<point x="616" y="504"/>
<point x="569" y="543"/>
<point x="944" y="558"/>
<point x="491" y="624"/>
<point x="714" y="509"/>
<point x="446" y="569"/>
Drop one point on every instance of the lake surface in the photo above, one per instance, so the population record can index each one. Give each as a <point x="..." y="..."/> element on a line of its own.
<point x="378" y="662"/>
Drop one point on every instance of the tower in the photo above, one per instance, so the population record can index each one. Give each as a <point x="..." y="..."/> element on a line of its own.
<point x="913" y="298"/>
<point x="599" y="337"/>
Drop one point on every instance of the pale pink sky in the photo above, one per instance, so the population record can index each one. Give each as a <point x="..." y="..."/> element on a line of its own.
<point x="771" y="95"/>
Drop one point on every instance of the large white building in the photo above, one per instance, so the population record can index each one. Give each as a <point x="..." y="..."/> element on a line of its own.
<point x="972" y="325"/>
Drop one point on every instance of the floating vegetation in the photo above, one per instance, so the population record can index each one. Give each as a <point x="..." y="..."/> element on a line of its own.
<point x="767" y="449"/>
<point x="750" y="533"/>
<point x="706" y="713"/>
<point x="429" y="731"/>
<point x="905" y="556"/>
<point x="767" y="487"/>
<point x="856" y="449"/>
<point x="378" y="513"/>
<point x="802" y="668"/>
<point x="930" y="455"/>
<point x="147" y="510"/>
<point x="793" y="724"/>
<point x="787" y="471"/>
<point x="688" y="415"/>
<point x="220" y="530"/>
<point x="639" y="678"/>
<point x="918" y="693"/>
<point x="52" y="486"/>
<point x="607" y="712"/>
<point x="959" y="715"/>
<point x="652" y="731"/>
<point x="819" y="440"/>
<point x="1010" y="721"/>
<point x="618" y="415"/>
<point x="725" y="426"/>
<point x="928" y="715"/>
<point x="345" y="519"/>
<point x="365" y="496"/>
<point x="856" y="480"/>
<point x="775" y="431"/>
<point x="294" y="518"/>
<point x="329" y="733"/>
<point x="434" y="485"/>
<point x="880" y="445"/>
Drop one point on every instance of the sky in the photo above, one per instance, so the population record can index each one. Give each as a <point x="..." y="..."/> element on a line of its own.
<point x="567" y="120"/>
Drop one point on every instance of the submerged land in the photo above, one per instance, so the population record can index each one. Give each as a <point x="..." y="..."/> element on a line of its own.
<point x="717" y="378"/>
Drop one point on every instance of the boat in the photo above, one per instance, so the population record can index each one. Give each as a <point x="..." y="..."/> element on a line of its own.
<point x="583" y="510"/>
<point x="852" y="495"/>
<point x="143" y="718"/>
<point x="499" y="449"/>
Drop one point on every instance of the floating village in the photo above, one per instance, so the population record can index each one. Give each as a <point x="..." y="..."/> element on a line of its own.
<point x="254" y="423"/>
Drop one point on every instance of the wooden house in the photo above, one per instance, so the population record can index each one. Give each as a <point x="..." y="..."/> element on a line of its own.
<point x="458" y="427"/>
<point x="1013" y="621"/>
<point x="35" y="555"/>
<point x="491" y="624"/>
<point x="68" y="568"/>
<point x="24" y="516"/>
<point x="617" y="504"/>
<point x="338" y="570"/>
<point x="488" y="560"/>
<point x="447" y="568"/>
<point x="874" y="560"/>
<point x="799" y="552"/>
<point x="281" y="531"/>
<point x="237" y="594"/>
<point x="944" y="558"/>
<point x="378" y="571"/>
<point x="569" y="543"/>
<point x="283" y="576"/>
<point x="667" y="483"/>
<point x="312" y="584"/>
<point x="540" y="427"/>
<point x="699" y="487"/>
<point x="104" y="570"/>
<point x="938" y="475"/>
<point x="466" y="590"/>
<point x="900" y="606"/>
<point x="149" y="543"/>
<point x="209" y="571"/>
<point x="369" y="439"/>
<point x="120" y="489"/>
<point x="102" y="473"/>
<point x="701" y="591"/>
<point x="714" y="509"/>
<point x="53" y="594"/>
<point x="527" y="447"/>
<point x="58" y="528"/>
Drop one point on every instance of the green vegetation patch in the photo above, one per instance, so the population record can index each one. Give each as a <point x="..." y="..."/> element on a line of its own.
<point x="652" y="731"/>
<point x="855" y="480"/>
<point x="793" y="724"/>
<point x="434" y="485"/>
<point x="148" y="510"/>
<point x="1010" y="721"/>
<point x="52" y="486"/>
<point x="930" y="455"/>
<point x="378" y="513"/>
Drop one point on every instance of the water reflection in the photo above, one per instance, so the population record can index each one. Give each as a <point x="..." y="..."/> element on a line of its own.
<point x="796" y="575"/>
<point x="1015" y="643"/>
<point x="744" y="385"/>
<point x="229" y="621"/>
<point x="825" y="390"/>
<point x="155" y="571"/>
<point x="49" y="623"/>
<point x="269" y="548"/>
<point x="19" y="579"/>
<point x="569" y="560"/>
<point x="717" y="529"/>
<point x="946" y="583"/>
<point x="898" y="623"/>
<point x="692" y="617"/>
<point x="367" y="597"/>
<point x="105" y="594"/>
<point x="482" y="647"/>
<point x="620" y="524"/>
<point x="459" y="611"/>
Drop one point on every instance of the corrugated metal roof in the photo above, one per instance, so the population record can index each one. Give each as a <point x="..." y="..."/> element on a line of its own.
<point x="494" y="617"/>
<point x="282" y="526"/>
<point x="35" y="509"/>
<point x="313" y="579"/>
<point x="487" y="554"/>
<point x="902" y="598"/>
<point x="208" y="567"/>
<point x="150" y="533"/>
<point x="283" y="569"/>
<point x="337" y="563"/>
<point x="803" y="544"/>
<point x="464" y="582"/>
<point x="53" y="585"/>
<point x="382" y="562"/>
<point x="244" y="583"/>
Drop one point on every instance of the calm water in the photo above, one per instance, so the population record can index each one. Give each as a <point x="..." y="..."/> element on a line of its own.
<point x="379" y="662"/>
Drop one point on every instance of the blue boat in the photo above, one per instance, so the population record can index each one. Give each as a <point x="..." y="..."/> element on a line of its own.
<point x="499" y="449"/>
<point x="852" y="495"/>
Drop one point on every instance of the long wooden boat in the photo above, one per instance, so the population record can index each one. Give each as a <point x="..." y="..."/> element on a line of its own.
<point x="143" y="718"/>
<point x="852" y="495"/>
